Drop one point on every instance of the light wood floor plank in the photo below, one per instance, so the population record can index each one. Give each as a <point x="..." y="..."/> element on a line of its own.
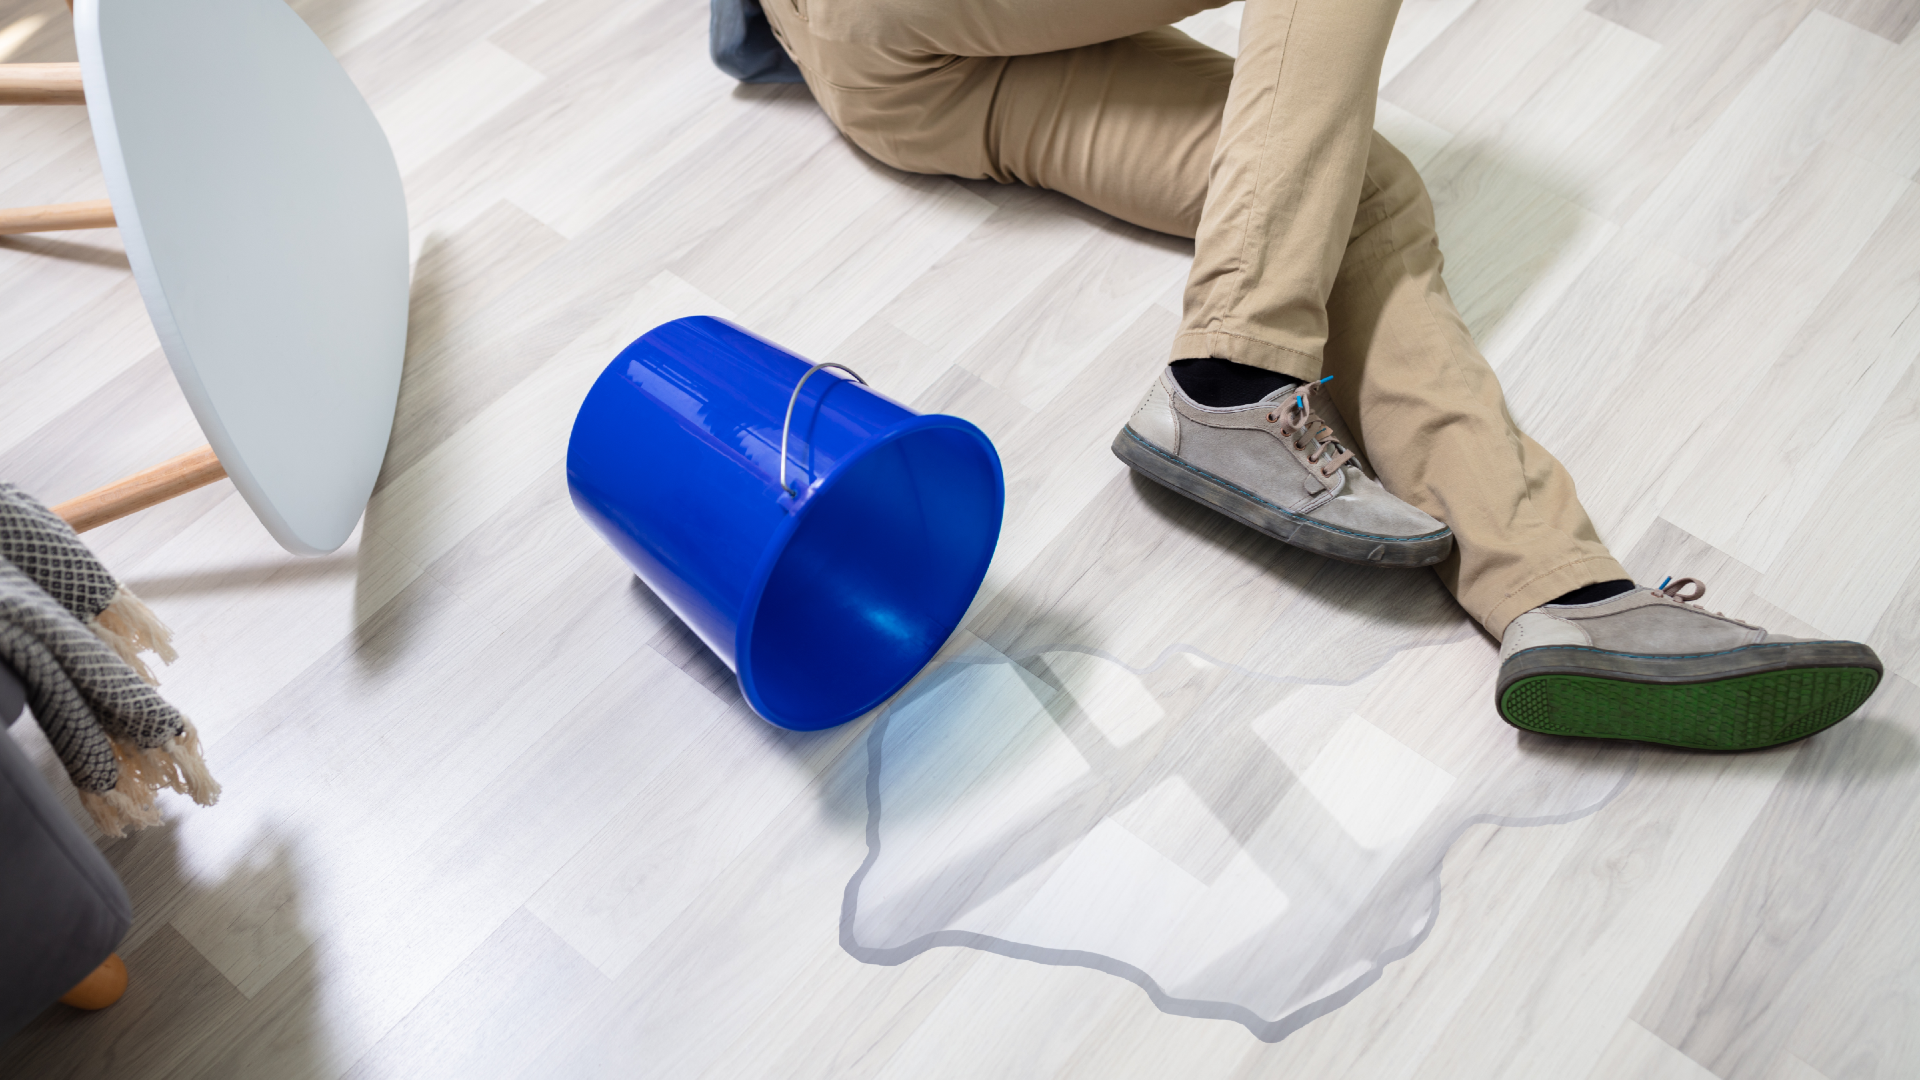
<point x="1891" y="19"/>
<point x="1789" y="1067"/>
<point x="1855" y="342"/>
<point x="1652" y="19"/>
<point x="1078" y="311"/>
<point x="1503" y="186"/>
<point x="1884" y="125"/>
<point x="1637" y="1052"/>
<point x="771" y="918"/>
<point x="457" y="276"/>
<point x="1858" y="1022"/>
<point x="977" y="283"/>
<point x="841" y="241"/>
<point x="1739" y="165"/>
<point x="425" y="37"/>
<point x="1746" y="313"/>
<point x="54" y="159"/>
<point x="1491" y="878"/>
<point x="109" y="333"/>
<point x="1419" y="24"/>
<point x="620" y="892"/>
<point x="992" y="1007"/>
<point x="1492" y="40"/>
<point x="453" y="99"/>
<point x="1059" y="462"/>
<point x="490" y="1015"/>
<point x="76" y="454"/>
<point x="1592" y="357"/>
<point x="842" y="1021"/>
<point x="1897" y="637"/>
<point x="1409" y="134"/>
<point x="1639" y="142"/>
<point x="1603" y="923"/>
<point x="1753" y="958"/>
<point x="1839" y="570"/>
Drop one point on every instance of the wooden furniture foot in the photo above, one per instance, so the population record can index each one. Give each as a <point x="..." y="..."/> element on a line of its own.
<point x="94" y="214"/>
<point x="193" y="469"/>
<point x="101" y="988"/>
<point x="41" y="84"/>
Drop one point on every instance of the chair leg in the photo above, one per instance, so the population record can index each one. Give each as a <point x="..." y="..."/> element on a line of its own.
<point x="93" y="214"/>
<point x="41" y="84"/>
<point x="101" y="988"/>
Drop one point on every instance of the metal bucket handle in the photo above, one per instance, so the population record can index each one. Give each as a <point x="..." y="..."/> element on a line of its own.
<point x="786" y="427"/>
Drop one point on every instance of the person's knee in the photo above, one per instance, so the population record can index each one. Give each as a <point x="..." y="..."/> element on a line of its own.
<point x="1395" y="209"/>
<point x="1400" y="188"/>
<point x="894" y="128"/>
<point x="916" y="114"/>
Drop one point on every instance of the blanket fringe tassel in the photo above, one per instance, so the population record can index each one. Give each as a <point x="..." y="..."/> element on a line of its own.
<point x="177" y="764"/>
<point x="129" y="626"/>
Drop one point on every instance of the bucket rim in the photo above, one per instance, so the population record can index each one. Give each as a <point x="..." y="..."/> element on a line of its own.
<point x="783" y="535"/>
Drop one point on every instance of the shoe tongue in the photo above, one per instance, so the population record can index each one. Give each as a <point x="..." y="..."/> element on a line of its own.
<point x="1285" y="393"/>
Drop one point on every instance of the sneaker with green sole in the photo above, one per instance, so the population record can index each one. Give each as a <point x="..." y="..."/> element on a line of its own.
<point x="1648" y="666"/>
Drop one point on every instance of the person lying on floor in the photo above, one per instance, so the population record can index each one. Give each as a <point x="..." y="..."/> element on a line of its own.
<point x="1315" y="295"/>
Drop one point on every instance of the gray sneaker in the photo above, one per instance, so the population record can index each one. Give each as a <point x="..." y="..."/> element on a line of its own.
<point x="1278" y="466"/>
<point x="1645" y="665"/>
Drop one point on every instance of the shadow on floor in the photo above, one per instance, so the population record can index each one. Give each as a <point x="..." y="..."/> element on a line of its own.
<point x="181" y="1016"/>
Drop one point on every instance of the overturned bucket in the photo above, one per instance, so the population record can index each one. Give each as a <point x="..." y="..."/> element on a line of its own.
<point x="826" y="575"/>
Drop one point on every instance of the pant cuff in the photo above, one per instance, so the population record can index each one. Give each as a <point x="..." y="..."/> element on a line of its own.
<point x="1225" y="345"/>
<point x="1565" y="578"/>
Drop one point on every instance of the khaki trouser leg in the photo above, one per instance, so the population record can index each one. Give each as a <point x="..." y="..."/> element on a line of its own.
<point x="1428" y="411"/>
<point x="1099" y="99"/>
<point x="1286" y="176"/>
<point x="1315" y="240"/>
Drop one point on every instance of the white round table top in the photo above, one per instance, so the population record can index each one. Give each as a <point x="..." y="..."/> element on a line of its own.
<point x="264" y="219"/>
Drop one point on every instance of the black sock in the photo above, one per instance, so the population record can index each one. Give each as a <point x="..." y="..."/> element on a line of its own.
<point x="1222" y="384"/>
<point x="1593" y="594"/>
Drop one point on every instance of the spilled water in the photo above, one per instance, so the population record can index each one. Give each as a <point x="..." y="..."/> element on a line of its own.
<point x="1245" y="845"/>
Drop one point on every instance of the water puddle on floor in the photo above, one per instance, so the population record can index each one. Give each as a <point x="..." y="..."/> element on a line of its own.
<point x="1247" y="846"/>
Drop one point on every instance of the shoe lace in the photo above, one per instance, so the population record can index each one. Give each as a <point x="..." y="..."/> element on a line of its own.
<point x="1676" y="590"/>
<point x="1297" y="421"/>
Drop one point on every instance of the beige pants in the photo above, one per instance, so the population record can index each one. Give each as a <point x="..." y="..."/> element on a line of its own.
<point x="1314" y="251"/>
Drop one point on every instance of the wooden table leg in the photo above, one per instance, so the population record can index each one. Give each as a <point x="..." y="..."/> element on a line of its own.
<point x="41" y="84"/>
<point x="196" y="468"/>
<point x="93" y="214"/>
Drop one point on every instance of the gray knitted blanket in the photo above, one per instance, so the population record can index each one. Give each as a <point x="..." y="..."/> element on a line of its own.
<point x="74" y="636"/>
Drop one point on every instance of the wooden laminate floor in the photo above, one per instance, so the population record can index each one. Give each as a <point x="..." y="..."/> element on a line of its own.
<point x="1177" y="801"/>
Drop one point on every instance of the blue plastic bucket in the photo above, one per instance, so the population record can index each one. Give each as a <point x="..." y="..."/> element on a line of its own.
<point x="824" y="598"/>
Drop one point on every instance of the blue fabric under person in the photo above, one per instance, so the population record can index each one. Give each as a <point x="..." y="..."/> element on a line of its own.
<point x="744" y="47"/>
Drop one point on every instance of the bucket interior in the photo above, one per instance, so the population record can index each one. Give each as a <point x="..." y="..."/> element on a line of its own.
<point x="883" y="564"/>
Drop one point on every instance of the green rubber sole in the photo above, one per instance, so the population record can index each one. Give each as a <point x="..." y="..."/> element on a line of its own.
<point x="1742" y="712"/>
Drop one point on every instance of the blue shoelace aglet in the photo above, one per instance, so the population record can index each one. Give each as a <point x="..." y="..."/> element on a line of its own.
<point x="1663" y="584"/>
<point x="1324" y="381"/>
